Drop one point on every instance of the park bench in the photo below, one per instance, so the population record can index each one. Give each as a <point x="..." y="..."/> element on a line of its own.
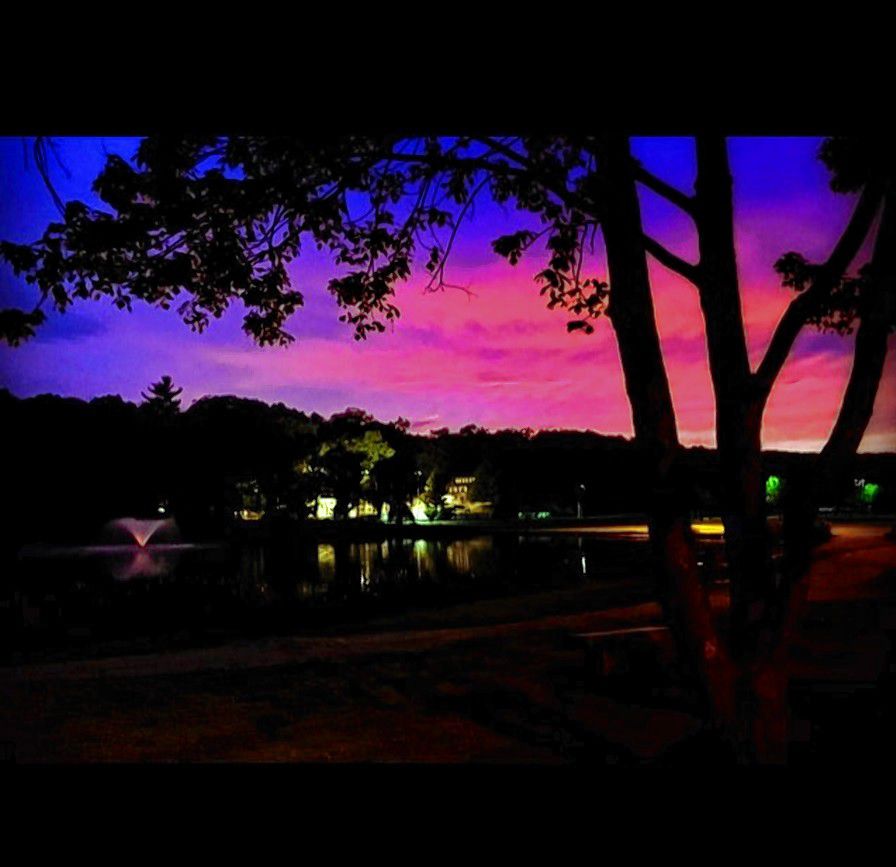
<point x="632" y="650"/>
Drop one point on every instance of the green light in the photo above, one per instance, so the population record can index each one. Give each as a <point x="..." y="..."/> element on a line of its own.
<point x="869" y="492"/>
<point x="772" y="488"/>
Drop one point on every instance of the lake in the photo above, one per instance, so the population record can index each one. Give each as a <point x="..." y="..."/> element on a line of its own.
<point x="60" y="596"/>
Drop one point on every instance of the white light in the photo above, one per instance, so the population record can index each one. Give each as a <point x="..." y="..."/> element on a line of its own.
<point x="325" y="507"/>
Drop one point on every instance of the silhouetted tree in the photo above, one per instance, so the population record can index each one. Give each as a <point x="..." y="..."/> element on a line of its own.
<point x="217" y="219"/>
<point x="163" y="398"/>
<point x="395" y="480"/>
<point x="486" y="486"/>
<point x="343" y="476"/>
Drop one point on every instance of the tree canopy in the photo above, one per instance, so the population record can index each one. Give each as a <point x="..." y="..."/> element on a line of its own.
<point x="201" y="222"/>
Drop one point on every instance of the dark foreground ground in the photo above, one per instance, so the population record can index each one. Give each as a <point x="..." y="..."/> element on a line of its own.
<point x="494" y="682"/>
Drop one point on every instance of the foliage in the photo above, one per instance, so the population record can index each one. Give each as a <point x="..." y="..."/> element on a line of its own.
<point x="224" y="453"/>
<point x="200" y="222"/>
<point x="854" y="162"/>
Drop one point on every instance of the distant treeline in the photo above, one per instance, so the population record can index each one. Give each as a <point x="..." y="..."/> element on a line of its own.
<point x="70" y="465"/>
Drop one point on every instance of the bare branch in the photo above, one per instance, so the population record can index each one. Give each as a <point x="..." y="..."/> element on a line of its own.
<point x="670" y="260"/>
<point x="667" y="191"/>
<point x="437" y="281"/>
<point x="41" y="146"/>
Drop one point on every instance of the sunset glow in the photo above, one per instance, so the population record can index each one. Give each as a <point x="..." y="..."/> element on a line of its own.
<point x="496" y="357"/>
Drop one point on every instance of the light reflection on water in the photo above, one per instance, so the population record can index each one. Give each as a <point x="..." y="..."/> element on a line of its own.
<point x="371" y="565"/>
<point x="400" y="561"/>
<point x="159" y="584"/>
<point x="121" y="562"/>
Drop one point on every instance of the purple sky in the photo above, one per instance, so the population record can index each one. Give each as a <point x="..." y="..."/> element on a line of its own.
<point x="497" y="358"/>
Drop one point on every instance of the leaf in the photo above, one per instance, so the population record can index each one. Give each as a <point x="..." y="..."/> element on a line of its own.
<point x="579" y="325"/>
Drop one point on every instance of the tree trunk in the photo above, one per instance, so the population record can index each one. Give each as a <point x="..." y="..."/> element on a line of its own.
<point x="632" y="315"/>
<point x="690" y="614"/>
<point x="878" y="313"/>
<point x="764" y="714"/>
<point x="746" y="688"/>
<point x="746" y="685"/>
<point x="760" y="726"/>
<point x="738" y="409"/>
<point x="746" y="535"/>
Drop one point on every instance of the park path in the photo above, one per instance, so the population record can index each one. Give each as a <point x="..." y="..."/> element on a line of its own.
<point x="272" y="652"/>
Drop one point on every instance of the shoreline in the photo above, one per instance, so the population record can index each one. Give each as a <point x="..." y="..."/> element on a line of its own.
<point x="498" y="692"/>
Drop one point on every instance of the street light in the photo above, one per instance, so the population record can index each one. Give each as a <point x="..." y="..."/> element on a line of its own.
<point x="579" y="501"/>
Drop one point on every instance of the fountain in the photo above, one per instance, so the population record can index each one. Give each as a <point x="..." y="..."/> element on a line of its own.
<point x="127" y="547"/>
<point x="142" y="530"/>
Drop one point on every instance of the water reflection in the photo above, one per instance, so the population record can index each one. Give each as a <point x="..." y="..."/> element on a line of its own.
<point x="143" y="563"/>
<point x="307" y="567"/>
<point x="121" y="562"/>
<point x="326" y="562"/>
<point x="391" y="567"/>
<point x="156" y="585"/>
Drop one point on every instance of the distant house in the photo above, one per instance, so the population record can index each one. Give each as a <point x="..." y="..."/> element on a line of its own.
<point x="458" y="496"/>
<point x="459" y="488"/>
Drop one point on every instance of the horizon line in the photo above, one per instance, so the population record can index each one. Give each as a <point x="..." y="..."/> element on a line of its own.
<point x="787" y="447"/>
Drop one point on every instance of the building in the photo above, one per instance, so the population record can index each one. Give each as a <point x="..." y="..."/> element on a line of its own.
<point x="458" y="496"/>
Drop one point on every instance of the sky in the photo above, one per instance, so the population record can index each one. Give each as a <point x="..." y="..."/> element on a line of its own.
<point x="495" y="356"/>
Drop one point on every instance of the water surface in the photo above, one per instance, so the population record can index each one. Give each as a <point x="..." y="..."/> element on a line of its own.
<point x="116" y="591"/>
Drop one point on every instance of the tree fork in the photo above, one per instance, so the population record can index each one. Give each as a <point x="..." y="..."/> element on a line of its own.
<point x="738" y="411"/>
<point x="633" y="318"/>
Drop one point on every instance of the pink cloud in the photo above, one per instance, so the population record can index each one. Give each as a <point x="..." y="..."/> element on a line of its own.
<point x="498" y="357"/>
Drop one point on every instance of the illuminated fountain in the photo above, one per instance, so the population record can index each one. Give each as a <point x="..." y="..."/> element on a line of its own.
<point x="157" y="552"/>
<point x="142" y="530"/>
<point x="128" y="548"/>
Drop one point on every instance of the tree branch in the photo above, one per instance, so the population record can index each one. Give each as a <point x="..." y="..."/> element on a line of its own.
<point x="504" y="150"/>
<point x="827" y="278"/>
<point x="438" y="276"/>
<point x="41" y="145"/>
<point x="568" y="197"/>
<point x="667" y="191"/>
<point x="876" y="316"/>
<point x="856" y="408"/>
<point x="670" y="260"/>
